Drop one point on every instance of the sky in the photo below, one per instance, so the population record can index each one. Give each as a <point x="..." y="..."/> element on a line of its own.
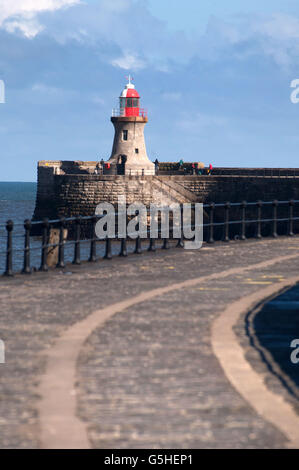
<point x="214" y="76"/>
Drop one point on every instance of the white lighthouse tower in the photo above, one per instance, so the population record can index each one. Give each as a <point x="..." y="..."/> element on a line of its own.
<point x="129" y="155"/>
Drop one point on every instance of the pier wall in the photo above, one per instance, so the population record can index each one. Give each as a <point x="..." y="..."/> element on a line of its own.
<point x="72" y="188"/>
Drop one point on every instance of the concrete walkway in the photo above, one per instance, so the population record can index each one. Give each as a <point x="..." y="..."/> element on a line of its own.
<point x="121" y="355"/>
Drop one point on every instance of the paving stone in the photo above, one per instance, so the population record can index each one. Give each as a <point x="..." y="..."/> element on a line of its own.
<point x="148" y="377"/>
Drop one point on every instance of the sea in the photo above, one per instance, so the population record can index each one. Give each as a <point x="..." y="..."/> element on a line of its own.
<point x="17" y="203"/>
<point x="277" y="328"/>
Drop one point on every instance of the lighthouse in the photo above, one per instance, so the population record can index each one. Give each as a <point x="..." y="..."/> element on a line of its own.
<point x="129" y="155"/>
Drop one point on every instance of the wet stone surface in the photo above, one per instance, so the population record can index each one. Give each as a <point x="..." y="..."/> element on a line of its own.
<point x="148" y="378"/>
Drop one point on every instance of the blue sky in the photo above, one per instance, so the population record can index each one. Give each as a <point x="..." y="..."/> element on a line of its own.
<point x="215" y="77"/>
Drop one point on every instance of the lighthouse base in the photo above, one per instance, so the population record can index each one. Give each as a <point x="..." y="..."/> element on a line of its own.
<point x="135" y="170"/>
<point x="130" y="170"/>
<point x="129" y="156"/>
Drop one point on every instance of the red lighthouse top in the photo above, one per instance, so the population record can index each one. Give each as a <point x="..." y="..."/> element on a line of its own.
<point x="129" y="101"/>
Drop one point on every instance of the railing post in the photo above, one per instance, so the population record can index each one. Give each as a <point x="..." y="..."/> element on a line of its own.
<point x="108" y="252"/>
<point x="152" y="245"/>
<point x="26" y="267"/>
<point x="259" y="219"/>
<point x="44" y="266"/>
<point x="77" y="251"/>
<point x="180" y="243"/>
<point x="243" y="206"/>
<point x="138" y="250"/>
<point x="9" y="249"/>
<point x="291" y="218"/>
<point x="123" y="248"/>
<point x="211" y="222"/>
<point x="123" y="245"/>
<point x="93" y="242"/>
<point x="226" y="231"/>
<point x="60" y="263"/>
<point x="275" y="205"/>
<point x="166" y="244"/>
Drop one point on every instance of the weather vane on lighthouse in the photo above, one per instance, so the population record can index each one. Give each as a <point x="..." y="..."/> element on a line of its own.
<point x="130" y="79"/>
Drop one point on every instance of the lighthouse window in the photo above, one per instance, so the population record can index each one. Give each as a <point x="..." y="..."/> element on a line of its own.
<point x="136" y="150"/>
<point x="129" y="103"/>
<point x="135" y="103"/>
<point x="125" y="135"/>
<point x="122" y="102"/>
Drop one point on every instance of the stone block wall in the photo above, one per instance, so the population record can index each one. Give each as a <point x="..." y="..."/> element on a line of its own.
<point x="71" y="189"/>
<point x="239" y="188"/>
<point x="73" y="195"/>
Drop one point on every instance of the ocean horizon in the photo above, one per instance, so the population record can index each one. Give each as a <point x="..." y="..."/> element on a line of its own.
<point x="17" y="203"/>
<point x="17" y="200"/>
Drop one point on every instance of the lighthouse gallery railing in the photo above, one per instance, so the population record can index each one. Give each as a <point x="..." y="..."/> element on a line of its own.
<point x="120" y="112"/>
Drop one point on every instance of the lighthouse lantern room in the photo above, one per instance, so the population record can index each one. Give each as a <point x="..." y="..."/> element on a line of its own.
<point x="129" y="156"/>
<point x="129" y="102"/>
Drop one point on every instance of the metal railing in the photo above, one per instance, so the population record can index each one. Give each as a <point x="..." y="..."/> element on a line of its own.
<point x="174" y="169"/>
<point x="120" y="112"/>
<point x="222" y="222"/>
<point x="258" y="172"/>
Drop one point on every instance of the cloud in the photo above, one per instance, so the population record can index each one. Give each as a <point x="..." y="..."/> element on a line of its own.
<point x="21" y="14"/>
<point x="128" y="62"/>
<point x="275" y="36"/>
<point x="29" y="7"/>
<point x="124" y="33"/>
<point x="27" y="26"/>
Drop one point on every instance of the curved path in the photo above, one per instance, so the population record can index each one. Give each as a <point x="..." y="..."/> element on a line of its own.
<point x="243" y="377"/>
<point x="60" y="426"/>
<point x="137" y="352"/>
